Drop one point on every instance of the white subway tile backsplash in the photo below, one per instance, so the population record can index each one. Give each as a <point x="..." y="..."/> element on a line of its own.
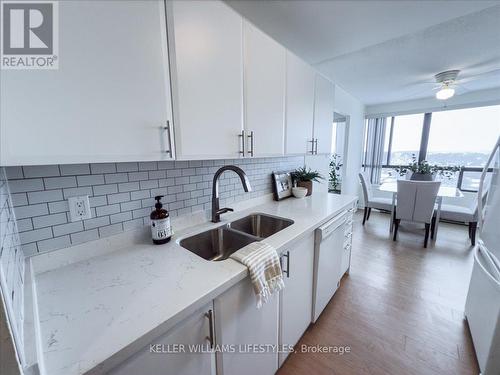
<point x="148" y="166"/>
<point x="90" y="180"/>
<point x="24" y="225"/>
<point x="19" y="199"/>
<point x="148" y="184"/>
<point x="49" y="220"/>
<point x="141" y="194"/>
<point x="76" y="192"/>
<point x="54" y="243"/>
<point x="35" y="235"/>
<point x="103" y="168"/>
<point x="131" y="205"/>
<point x="128" y="186"/>
<point x="118" y="198"/>
<point x="115" y="177"/>
<point x="45" y="196"/>
<point x="32" y="184"/>
<point x="138" y="176"/>
<point x="110" y="230"/>
<point x="108" y="210"/>
<point x="105" y="189"/>
<point x="60" y="230"/>
<point x="14" y="172"/>
<point x="80" y="237"/>
<point x="121" y="195"/>
<point x="127" y="167"/>
<point x="31" y="211"/>
<point x="55" y="207"/>
<point x="74" y="169"/>
<point x="60" y="182"/>
<point x="41" y="171"/>
<point x="121" y="217"/>
<point x="98" y="201"/>
<point x="96" y="222"/>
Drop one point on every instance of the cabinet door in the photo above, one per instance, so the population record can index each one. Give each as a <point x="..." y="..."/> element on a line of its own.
<point x="240" y="323"/>
<point x="193" y="332"/>
<point x="108" y="101"/>
<point x="205" y="41"/>
<point x="264" y="92"/>
<point x="296" y="297"/>
<point x="323" y="114"/>
<point x="299" y="105"/>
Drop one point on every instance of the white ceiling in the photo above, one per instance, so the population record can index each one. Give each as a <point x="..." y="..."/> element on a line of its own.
<point x="382" y="51"/>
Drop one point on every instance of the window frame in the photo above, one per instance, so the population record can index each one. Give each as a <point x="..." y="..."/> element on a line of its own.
<point x="424" y="144"/>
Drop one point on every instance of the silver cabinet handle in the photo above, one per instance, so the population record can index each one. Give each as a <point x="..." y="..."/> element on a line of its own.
<point x="287" y="271"/>
<point x="210" y="316"/>
<point x="316" y="143"/>
<point x="169" y="139"/>
<point x="312" y="147"/>
<point x="242" y="137"/>
<point x="250" y="136"/>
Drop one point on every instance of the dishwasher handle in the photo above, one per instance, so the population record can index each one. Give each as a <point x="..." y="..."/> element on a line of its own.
<point x="329" y="228"/>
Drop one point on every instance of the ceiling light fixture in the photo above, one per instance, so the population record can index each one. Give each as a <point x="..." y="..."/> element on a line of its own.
<point x="446" y="92"/>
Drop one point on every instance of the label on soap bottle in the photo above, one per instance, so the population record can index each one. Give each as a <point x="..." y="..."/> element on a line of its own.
<point x="161" y="229"/>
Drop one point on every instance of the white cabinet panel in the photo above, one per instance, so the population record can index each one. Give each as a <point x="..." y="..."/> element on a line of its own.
<point x="299" y="105"/>
<point x="296" y="297"/>
<point x="323" y="114"/>
<point x="238" y="322"/>
<point x="264" y="92"/>
<point x="193" y="332"/>
<point x="206" y="52"/>
<point x="108" y="101"/>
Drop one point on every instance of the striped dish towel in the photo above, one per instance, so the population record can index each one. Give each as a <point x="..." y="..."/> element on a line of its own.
<point x="264" y="268"/>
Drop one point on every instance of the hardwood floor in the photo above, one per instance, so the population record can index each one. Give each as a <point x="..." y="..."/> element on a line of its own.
<point x="400" y="310"/>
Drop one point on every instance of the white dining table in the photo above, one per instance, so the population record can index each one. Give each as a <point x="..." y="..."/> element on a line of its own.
<point x="444" y="191"/>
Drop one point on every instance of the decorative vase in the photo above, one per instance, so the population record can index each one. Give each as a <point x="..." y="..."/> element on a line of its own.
<point x="306" y="184"/>
<point x="422" y="177"/>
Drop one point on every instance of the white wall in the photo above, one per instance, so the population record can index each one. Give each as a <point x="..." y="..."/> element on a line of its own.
<point x="479" y="98"/>
<point x="348" y="105"/>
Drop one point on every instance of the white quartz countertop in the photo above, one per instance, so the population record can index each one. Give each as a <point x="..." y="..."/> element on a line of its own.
<point x="94" y="313"/>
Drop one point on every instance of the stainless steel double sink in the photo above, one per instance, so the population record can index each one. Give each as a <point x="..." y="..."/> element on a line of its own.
<point x="219" y="243"/>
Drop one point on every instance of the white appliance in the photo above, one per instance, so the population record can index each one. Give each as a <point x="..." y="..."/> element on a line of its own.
<point x="328" y="254"/>
<point x="482" y="308"/>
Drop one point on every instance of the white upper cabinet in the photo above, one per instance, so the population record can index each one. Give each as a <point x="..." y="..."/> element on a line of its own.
<point x="264" y="82"/>
<point x="206" y="55"/>
<point x="323" y="115"/>
<point x="299" y="105"/>
<point x="108" y="101"/>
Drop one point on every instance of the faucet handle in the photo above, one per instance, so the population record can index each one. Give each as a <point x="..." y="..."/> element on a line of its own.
<point x="224" y="210"/>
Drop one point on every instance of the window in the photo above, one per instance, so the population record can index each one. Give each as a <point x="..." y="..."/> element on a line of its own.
<point x="402" y="138"/>
<point x="463" y="137"/>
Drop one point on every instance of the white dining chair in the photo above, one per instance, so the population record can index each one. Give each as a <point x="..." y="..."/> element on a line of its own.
<point x="464" y="214"/>
<point x="416" y="200"/>
<point x="378" y="203"/>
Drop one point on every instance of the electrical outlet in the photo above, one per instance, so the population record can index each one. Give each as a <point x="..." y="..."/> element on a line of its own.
<point x="79" y="208"/>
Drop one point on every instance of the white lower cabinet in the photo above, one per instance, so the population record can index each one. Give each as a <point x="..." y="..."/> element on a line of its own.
<point x="296" y="297"/>
<point x="240" y="325"/>
<point x="193" y="331"/>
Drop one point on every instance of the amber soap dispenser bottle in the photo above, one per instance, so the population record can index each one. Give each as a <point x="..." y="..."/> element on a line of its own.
<point x="161" y="231"/>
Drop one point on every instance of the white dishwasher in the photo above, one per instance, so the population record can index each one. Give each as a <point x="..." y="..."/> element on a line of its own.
<point x="328" y="254"/>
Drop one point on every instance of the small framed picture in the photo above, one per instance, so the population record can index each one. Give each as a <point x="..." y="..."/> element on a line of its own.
<point x="282" y="185"/>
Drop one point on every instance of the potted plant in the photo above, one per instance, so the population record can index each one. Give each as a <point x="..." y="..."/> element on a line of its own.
<point x="305" y="177"/>
<point x="334" y="174"/>
<point x="423" y="171"/>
